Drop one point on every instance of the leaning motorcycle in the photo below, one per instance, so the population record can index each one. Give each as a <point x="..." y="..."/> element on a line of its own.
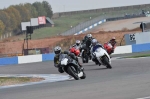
<point x="74" y="50"/>
<point x="102" y="57"/>
<point x="109" y="48"/>
<point x="70" y="66"/>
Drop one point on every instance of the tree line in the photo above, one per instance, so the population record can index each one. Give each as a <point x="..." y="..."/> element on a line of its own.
<point x="11" y="17"/>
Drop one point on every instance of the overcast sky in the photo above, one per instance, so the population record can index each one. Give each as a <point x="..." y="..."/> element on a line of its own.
<point x="74" y="5"/>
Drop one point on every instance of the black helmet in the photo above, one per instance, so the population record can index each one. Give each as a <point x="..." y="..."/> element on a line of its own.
<point x="89" y="36"/>
<point x="57" y="50"/>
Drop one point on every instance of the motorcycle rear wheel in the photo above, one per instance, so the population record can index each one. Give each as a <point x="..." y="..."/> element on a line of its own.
<point x="85" y="58"/>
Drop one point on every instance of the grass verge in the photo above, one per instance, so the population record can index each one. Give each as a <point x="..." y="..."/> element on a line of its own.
<point x="4" y="81"/>
<point x="64" y="23"/>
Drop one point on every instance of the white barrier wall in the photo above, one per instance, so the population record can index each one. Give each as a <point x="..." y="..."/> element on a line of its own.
<point x="143" y="37"/>
<point x="29" y="59"/>
<point x="123" y="49"/>
<point x="49" y="57"/>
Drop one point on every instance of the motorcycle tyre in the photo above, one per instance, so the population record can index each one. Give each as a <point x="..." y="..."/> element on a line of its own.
<point x="72" y="73"/>
<point x="106" y="61"/>
<point x="84" y="76"/>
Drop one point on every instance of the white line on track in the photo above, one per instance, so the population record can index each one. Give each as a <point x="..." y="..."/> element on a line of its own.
<point x="129" y="58"/>
<point x="144" y="97"/>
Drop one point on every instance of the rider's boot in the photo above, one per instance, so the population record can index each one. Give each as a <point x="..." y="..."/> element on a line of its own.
<point x="81" y="67"/>
<point x="60" y="70"/>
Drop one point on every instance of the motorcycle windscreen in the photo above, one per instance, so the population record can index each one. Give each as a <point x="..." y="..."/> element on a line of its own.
<point x="96" y="47"/>
<point x="63" y="58"/>
<point x="109" y="45"/>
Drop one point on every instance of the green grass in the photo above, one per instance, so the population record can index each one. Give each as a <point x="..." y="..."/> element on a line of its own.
<point x="137" y="56"/>
<point x="6" y="80"/>
<point x="14" y="80"/>
<point x="64" y="23"/>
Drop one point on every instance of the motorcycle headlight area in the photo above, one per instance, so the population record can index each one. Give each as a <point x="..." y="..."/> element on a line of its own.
<point x="98" y="50"/>
<point x="64" y="61"/>
<point x="110" y="45"/>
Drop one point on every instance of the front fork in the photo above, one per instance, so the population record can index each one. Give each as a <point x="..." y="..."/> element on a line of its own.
<point x="81" y="52"/>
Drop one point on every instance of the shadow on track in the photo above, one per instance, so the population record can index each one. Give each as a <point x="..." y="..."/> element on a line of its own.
<point x="96" y="69"/>
<point x="89" y="65"/>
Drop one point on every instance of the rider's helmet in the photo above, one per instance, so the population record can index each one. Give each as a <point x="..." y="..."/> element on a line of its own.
<point x="113" y="38"/>
<point x="94" y="42"/>
<point x="57" y="50"/>
<point x="89" y="36"/>
<point x="77" y="42"/>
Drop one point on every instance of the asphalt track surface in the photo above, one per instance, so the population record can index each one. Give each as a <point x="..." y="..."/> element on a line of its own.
<point x="128" y="79"/>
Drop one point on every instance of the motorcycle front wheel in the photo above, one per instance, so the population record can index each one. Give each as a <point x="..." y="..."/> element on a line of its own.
<point x="72" y="71"/>
<point x="106" y="62"/>
<point x="84" y="76"/>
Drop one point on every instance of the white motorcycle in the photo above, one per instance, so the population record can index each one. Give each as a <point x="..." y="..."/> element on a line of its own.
<point x="102" y="57"/>
<point x="70" y="66"/>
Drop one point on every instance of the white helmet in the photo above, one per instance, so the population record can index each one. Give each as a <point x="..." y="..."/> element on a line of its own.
<point x="89" y="35"/>
<point x="113" y="38"/>
<point x="57" y="50"/>
<point x="94" y="42"/>
<point x="77" y="42"/>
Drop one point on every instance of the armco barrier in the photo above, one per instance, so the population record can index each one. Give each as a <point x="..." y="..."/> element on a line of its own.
<point x="132" y="48"/>
<point x="123" y="49"/>
<point x="140" y="47"/>
<point x="48" y="57"/>
<point x="9" y="61"/>
<point x="26" y="59"/>
<point x="29" y="59"/>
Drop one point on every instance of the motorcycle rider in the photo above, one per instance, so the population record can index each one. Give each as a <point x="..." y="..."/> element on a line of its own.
<point x="87" y="38"/>
<point x="58" y="52"/>
<point x="95" y="45"/>
<point x="77" y="44"/>
<point x="87" y="42"/>
<point x="113" y="43"/>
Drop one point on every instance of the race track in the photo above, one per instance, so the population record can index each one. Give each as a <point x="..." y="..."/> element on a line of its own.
<point x="128" y="79"/>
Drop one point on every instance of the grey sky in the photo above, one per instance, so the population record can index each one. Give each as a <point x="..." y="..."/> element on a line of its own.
<point x="74" y="5"/>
